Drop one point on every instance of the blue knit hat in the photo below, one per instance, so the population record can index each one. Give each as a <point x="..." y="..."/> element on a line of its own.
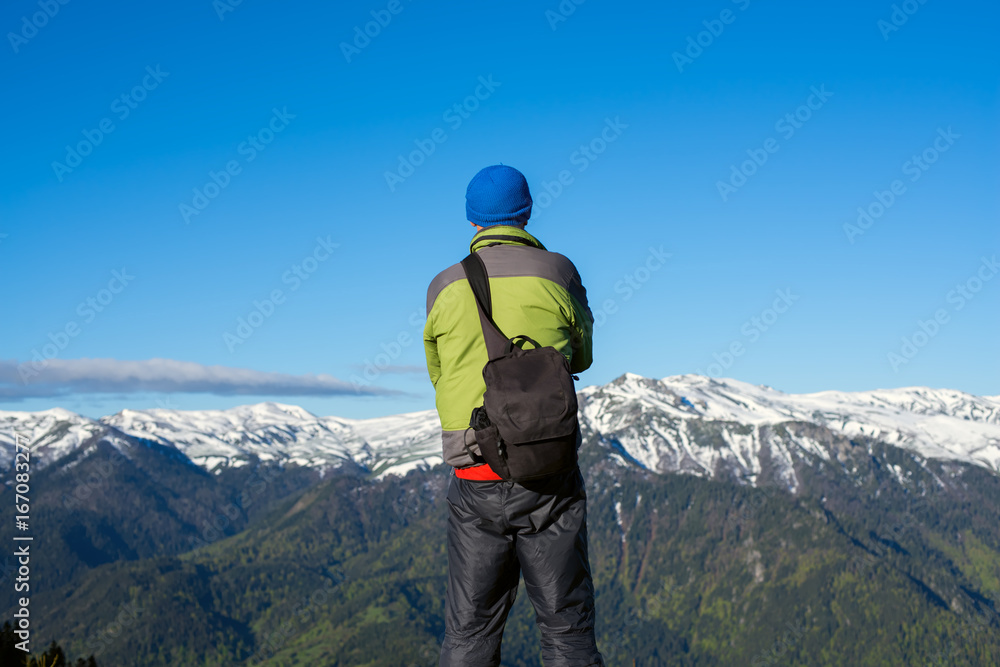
<point x="498" y="195"/>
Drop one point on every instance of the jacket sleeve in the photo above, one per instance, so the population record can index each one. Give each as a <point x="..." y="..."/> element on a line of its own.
<point x="583" y="327"/>
<point x="431" y="350"/>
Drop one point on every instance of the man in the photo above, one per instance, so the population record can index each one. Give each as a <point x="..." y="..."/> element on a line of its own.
<point x="498" y="529"/>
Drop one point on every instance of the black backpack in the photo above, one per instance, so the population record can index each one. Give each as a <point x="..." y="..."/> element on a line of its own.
<point x="527" y="427"/>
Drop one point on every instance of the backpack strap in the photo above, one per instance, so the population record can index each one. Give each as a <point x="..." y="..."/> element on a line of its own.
<point x="475" y="459"/>
<point x="512" y="343"/>
<point x="479" y="281"/>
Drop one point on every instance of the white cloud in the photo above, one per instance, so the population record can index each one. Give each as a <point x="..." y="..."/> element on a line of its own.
<point x="62" y="377"/>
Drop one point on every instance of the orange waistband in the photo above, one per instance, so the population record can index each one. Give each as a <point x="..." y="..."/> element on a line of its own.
<point x="479" y="473"/>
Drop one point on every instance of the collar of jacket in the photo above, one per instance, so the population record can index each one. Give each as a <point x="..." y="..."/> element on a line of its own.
<point x="505" y="235"/>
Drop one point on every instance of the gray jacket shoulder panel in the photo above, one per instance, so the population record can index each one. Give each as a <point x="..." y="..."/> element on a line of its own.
<point x="506" y="261"/>
<point x="442" y="280"/>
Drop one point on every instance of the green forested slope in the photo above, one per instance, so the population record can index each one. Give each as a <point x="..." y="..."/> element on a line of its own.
<point x="855" y="568"/>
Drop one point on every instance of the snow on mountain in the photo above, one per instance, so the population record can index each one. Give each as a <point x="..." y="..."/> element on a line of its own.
<point x="687" y="423"/>
<point x="705" y="426"/>
<point x="402" y="442"/>
<point x="50" y="434"/>
<point x="289" y="434"/>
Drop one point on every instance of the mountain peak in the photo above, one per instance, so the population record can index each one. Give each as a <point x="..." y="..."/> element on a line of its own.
<point x="687" y="423"/>
<point x="274" y="409"/>
<point x="634" y="380"/>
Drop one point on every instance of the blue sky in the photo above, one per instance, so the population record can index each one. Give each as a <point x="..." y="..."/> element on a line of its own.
<point x="204" y="151"/>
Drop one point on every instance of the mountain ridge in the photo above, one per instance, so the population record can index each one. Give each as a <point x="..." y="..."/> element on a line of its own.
<point x="790" y="509"/>
<point x="682" y="423"/>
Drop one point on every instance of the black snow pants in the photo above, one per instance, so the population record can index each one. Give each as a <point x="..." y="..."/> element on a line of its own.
<point x="498" y="529"/>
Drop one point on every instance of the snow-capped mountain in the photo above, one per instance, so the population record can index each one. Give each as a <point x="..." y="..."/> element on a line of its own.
<point x="687" y="423"/>
<point x="712" y="427"/>
<point x="288" y="433"/>
<point x="218" y="438"/>
<point x="51" y="434"/>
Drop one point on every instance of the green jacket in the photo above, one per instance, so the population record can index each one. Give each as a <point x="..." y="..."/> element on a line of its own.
<point x="534" y="292"/>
